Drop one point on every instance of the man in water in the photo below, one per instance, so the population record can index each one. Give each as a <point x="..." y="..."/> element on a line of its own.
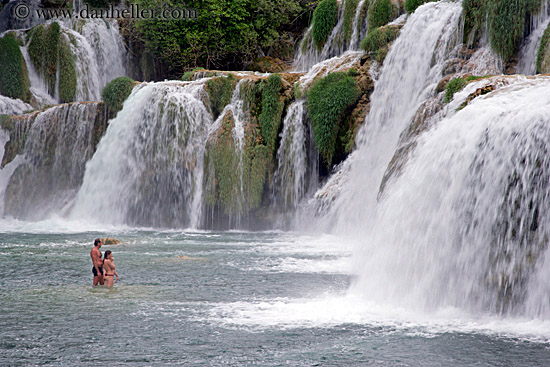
<point x="97" y="268"/>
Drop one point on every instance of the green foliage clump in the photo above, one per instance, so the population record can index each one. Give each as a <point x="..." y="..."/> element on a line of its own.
<point x="67" y="72"/>
<point x="327" y="101"/>
<point x="543" y="62"/>
<point x="272" y="109"/>
<point x="44" y="52"/>
<point x="453" y="86"/>
<point x="225" y="35"/>
<point x="380" y="12"/>
<point x="411" y="5"/>
<point x="115" y="93"/>
<point x="377" y="41"/>
<point x="14" y="81"/>
<point x="324" y="20"/>
<point x="349" y="16"/>
<point x="220" y="91"/>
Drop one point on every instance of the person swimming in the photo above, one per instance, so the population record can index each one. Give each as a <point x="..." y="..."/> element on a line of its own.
<point x="109" y="267"/>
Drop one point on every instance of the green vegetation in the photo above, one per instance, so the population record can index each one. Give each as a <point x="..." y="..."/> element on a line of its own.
<point x="188" y="75"/>
<point x="259" y="162"/>
<point x="227" y="34"/>
<point x="44" y="52"/>
<point x="543" y="62"/>
<point x="327" y="102"/>
<point x="411" y="5"/>
<point x="220" y="90"/>
<point x="14" y="81"/>
<point x="506" y="22"/>
<point x="378" y="40"/>
<point x="115" y="93"/>
<point x="324" y="20"/>
<point x="380" y="12"/>
<point x="349" y="16"/>
<point x="67" y="72"/>
<point x="272" y="109"/>
<point x="453" y="86"/>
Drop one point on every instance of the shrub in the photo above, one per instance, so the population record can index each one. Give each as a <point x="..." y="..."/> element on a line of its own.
<point x="272" y="109"/>
<point x="453" y="86"/>
<point x="220" y="90"/>
<point x="116" y="91"/>
<point x="67" y="72"/>
<point x="380" y="12"/>
<point x="324" y="19"/>
<point x="327" y="102"/>
<point x="13" y="77"/>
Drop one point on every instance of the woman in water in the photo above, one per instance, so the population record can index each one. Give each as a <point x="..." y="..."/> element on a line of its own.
<point x="109" y="268"/>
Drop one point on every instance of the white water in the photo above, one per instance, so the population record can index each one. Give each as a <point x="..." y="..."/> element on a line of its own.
<point x="410" y="73"/>
<point x="527" y="63"/>
<point x="10" y="106"/>
<point x="149" y="164"/>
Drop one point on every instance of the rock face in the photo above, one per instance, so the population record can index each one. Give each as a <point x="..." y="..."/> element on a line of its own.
<point x="108" y="241"/>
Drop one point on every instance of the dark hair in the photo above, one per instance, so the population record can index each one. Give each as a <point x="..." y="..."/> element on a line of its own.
<point x="106" y="254"/>
<point x="97" y="240"/>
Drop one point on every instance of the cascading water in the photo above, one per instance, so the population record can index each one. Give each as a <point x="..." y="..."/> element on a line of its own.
<point x="10" y="106"/>
<point x="308" y="54"/>
<point x="55" y="146"/>
<point x="410" y="73"/>
<point x="527" y="63"/>
<point x="463" y="225"/>
<point x="148" y="168"/>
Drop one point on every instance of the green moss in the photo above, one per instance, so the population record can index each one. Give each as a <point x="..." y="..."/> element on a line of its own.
<point x="258" y="172"/>
<point x="115" y="93"/>
<point x="327" y="101"/>
<point x="453" y="86"/>
<point x="6" y="123"/>
<point x="325" y="17"/>
<point x="411" y="5"/>
<point x="220" y="91"/>
<point x="543" y="64"/>
<point x="67" y="72"/>
<point x="349" y="16"/>
<point x="380" y="12"/>
<point x="272" y="109"/>
<point x="188" y="75"/>
<point x="44" y="52"/>
<point x="13" y="76"/>
<point x="378" y="40"/>
<point x="474" y="14"/>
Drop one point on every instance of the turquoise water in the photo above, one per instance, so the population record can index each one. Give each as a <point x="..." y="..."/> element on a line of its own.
<point x="225" y="298"/>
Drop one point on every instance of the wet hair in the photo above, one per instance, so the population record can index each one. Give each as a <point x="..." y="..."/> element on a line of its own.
<point x="97" y="240"/>
<point x="106" y="254"/>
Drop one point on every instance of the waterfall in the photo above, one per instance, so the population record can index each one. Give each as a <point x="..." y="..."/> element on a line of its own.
<point x="53" y="146"/>
<point x="10" y="106"/>
<point x="308" y="53"/>
<point x="410" y="73"/>
<point x="464" y="223"/>
<point x="148" y="168"/>
<point x="527" y="63"/>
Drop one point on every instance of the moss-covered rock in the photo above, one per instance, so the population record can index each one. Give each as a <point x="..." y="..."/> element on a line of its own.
<point x="67" y="72"/>
<point x="115" y="93"/>
<point x="268" y="64"/>
<point x="349" y="15"/>
<point x="453" y="86"/>
<point x="543" y="55"/>
<point x="378" y="41"/>
<point x="272" y="109"/>
<point x="14" y="80"/>
<point x="325" y="17"/>
<point x="188" y="75"/>
<point x="220" y="91"/>
<point x="44" y="52"/>
<point x="327" y="101"/>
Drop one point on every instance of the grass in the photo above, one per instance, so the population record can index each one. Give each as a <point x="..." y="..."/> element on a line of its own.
<point x="349" y="16"/>
<point x="44" y="52"/>
<point x="453" y="86"/>
<point x="272" y="109"/>
<point x="380" y="13"/>
<point x="378" y="40"/>
<point x="67" y="72"/>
